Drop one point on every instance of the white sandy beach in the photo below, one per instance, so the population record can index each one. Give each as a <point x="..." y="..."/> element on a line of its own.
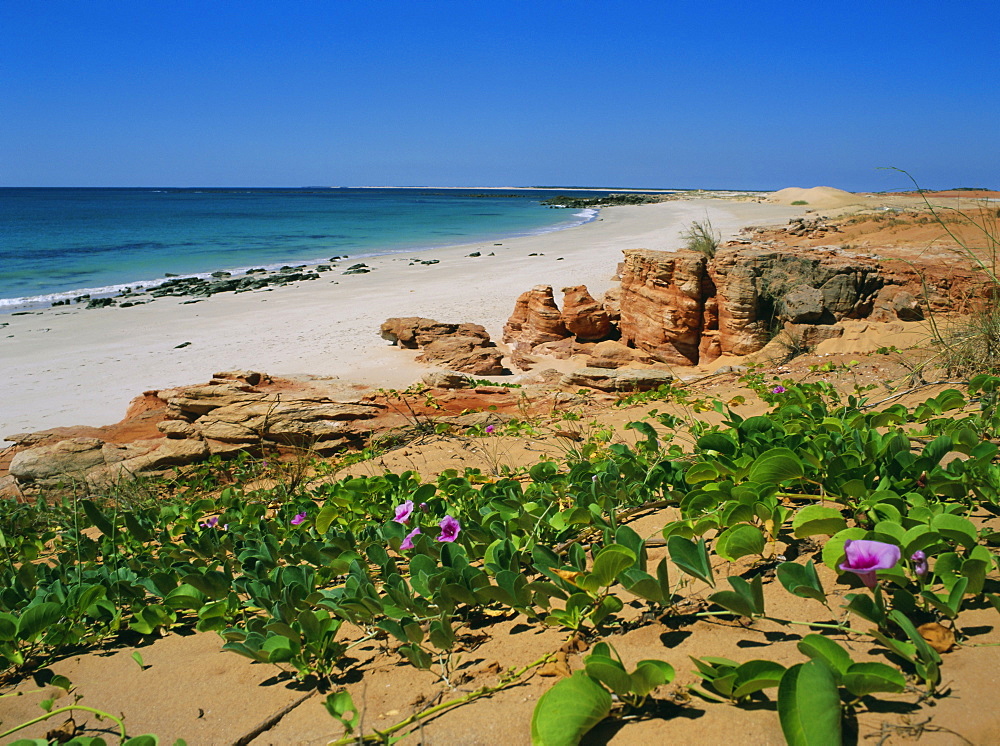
<point x="71" y="366"/>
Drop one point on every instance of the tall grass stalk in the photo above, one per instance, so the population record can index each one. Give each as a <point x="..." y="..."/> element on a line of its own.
<point x="971" y="345"/>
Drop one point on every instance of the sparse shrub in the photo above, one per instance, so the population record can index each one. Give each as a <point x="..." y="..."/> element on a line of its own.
<point x="701" y="237"/>
<point x="972" y="345"/>
<point x="800" y="202"/>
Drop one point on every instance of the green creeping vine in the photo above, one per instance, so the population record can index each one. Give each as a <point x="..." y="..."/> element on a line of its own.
<point x="277" y="572"/>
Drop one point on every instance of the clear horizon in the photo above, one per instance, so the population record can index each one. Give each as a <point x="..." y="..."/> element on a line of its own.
<point x="642" y="95"/>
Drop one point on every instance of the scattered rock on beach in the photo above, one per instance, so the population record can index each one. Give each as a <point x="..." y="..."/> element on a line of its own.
<point x="236" y="411"/>
<point x="460" y="347"/>
<point x="629" y="379"/>
<point x="63" y="460"/>
<point x="446" y="379"/>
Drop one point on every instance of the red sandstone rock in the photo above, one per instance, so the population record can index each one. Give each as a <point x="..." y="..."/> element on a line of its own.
<point x="613" y="354"/>
<point x="662" y="304"/>
<point x="461" y="347"/>
<point x="583" y="316"/>
<point x="611" y="301"/>
<point x="463" y="354"/>
<point x="536" y="319"/>
<point x="522" y="361"/>
<point x="563" y="349"/>
<point x="413" y="331"/>
<point x="758" y="288"/>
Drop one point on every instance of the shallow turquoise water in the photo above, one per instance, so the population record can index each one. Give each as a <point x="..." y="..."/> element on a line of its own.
<point x="57" y="243"/>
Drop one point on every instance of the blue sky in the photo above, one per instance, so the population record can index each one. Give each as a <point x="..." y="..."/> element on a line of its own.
<point x="672" y="93"/>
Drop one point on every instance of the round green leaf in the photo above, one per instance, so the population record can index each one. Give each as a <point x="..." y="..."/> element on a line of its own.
<point x="36" y="619"/>
<point x="755" y="675"/>
<point x="776" y="466"/>
<point x="610" y="673"/>
<point x="809" y="706"/>
<point x="717" y="442"/>
<point x="739" y="541"/>
<point x="868" y="678"/>
<point x="608" y="565"/>
<point x="817" y="519"/>
<point x="801" y="580"/>
<point x="650" y="674"/>
<point x="821" y="648"/>
<point x="567" y="711"/>
<point x="956" y="528"/>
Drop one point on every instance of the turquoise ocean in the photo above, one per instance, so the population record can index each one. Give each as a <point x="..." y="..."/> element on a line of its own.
<point x="57" y="243"/>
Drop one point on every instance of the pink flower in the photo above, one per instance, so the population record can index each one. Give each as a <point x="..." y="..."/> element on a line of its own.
<point x="779" y="389"/>
<point x="299" y="518"/>
<point x="403" y="512"/>
<point x="490" y="429"/>
<point x="864" y="557"/>
<point x="919" y="560"/>
<point x="210" y="522"/>
<point x="449" y="529"/>
<point x="408" y="541"/>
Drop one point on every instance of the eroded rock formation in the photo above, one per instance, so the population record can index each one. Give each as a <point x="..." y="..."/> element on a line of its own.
<point x="584" y="317"/>
<point x="465" y="348"/>
<point x="235" y="411"/>
<point x="536" y="319"/>
<point x="684" y="308"/>
<point x="247" y="412"/>
<point x="663" y="303"/>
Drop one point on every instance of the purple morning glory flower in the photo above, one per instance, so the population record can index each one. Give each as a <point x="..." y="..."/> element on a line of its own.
<point x="299" y="518"/>
<point x="490" y="429"/>
<point x="403" y="512"/>
<point x="408" y="541"/>
<point x="449" y="529"/>
<point x="424" y="507"/>
<point x="210" y="522"/>
<point x="919" y="560"/>
<point x="864" y="557"/>
<point x="779" y="389"/>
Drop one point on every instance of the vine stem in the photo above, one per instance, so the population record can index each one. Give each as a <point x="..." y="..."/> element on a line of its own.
<point x="68" y="708"/>
<point x="380" y="735"/>
<point x="822" y="625"/>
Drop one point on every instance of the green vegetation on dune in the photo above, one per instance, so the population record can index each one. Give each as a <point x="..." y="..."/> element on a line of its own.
<point x="277" y="571"/>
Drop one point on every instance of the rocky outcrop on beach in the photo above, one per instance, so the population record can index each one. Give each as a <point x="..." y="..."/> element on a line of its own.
<point x="536" y="319"/>
<point x="584" y="317"/>
<point x="235" y="411"/>
<point x="603" y="379"/>
<point x="465" y="348"/>
<point x="200" y="288"/>
<point x="250" y="412"/>
<point x="685" y="308"/>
